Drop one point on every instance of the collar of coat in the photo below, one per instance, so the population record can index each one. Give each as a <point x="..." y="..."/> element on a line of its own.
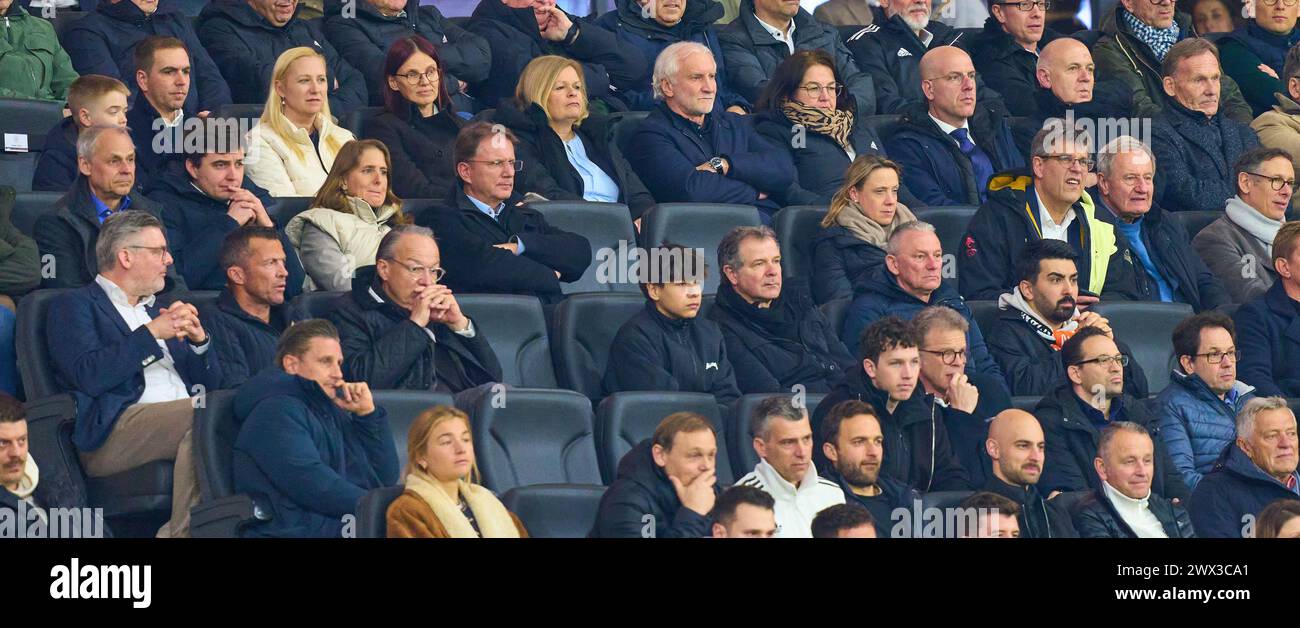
<point x="804" y="25"/>
<point x="226" y="303"/>
<point x="697" y="18"/>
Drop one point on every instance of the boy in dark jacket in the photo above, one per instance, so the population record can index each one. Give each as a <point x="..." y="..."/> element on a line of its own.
<point x="308" y="441"/>
<point x="93" y="100"/>
<point x="1125" y="507"/>
<point x="853" y="444"/>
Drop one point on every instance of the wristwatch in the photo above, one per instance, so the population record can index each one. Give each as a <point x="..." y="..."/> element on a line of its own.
<point x="716" y="162"/>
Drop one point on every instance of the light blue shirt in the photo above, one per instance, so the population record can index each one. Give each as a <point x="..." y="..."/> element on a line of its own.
<point x="493" y="213"/>
<point x="1133" y="231"/>
<point x="596" y="185"/>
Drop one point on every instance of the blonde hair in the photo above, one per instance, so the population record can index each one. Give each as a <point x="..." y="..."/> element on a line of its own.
<point x="539" y="76"/>
<point x="422" y="429"/>
<point x="331" y="192"/>
<point x="854" y="177"/>
<point x="87" y="90"/>
<point x="273" y="113"/>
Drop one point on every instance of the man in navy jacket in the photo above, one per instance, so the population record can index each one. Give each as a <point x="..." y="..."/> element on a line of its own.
<point x="1266" y="326"/>
<point x="131" y="365"/>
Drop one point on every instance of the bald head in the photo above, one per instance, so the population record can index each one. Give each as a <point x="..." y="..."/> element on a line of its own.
<point x="1065" y="66"/>
<point x="1015" y="445"/>
<point x="948" y="82"/>
<point x="943" y="59"/>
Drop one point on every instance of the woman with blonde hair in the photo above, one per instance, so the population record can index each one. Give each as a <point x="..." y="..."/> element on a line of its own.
<point x="294" y="145"/>
<point x="348" y="218"/>
<point x="568" y="152"/>
<point x="443" y="498"/>
<point x="862" y="215"/>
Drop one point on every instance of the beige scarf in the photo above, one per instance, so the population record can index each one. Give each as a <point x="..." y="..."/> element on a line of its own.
<point x="868" y="230"/>
<point x="494" y="521"/>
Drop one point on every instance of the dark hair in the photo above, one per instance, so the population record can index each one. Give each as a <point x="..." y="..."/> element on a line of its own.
<point x="149" y="46"/>
<point x="235" y="247"/>
<point x="1187" y="48"/>
<point x="1072" y="350"/>
<point x="842" y="411"/>
<point x="398" y="53"/>
<point x="1187" y="335"/>
<point x="1273" y="517"/>
<point x="1284" y="242"/>
<point x="676" y="423"/>
<point x="295" y="340"/>
<point x="671" y="262"/>
<point x="890" y="332"/>
<point x="1030" y="262"/>
<point x="787" y="77"/>
<point x="469" y="138"/>
<point x="213" y="135"/>
<point x="724" y="509"/>
<point x="11" y="409"/>
<point x="991" y="501"/>
<point x="1252" y="159"/>
<point x="828" y="523"/>
<point x="1291" y="68"/>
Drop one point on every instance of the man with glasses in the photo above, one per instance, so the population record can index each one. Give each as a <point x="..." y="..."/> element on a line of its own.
<point x="1137" y="38"/>
<point x="1198" y="409"/>
<point x="401" y="329"/>
<point x="1279" y="127"/>
<point x="498" y="244"/>
<point x="131" y="364"/>
<point x="1271" y="362"/>
<point x="1006" y="52"/>
<point x="948" y="145"/>
<point x="1074" y="414"/>
<point x="1195" y="142"/>
<point x="1238" y="246"/>
<point x="1254" y="55"/>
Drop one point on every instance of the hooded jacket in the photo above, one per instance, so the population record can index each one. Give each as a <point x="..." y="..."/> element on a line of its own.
<point x="796" y="506"/>
<point x="934" y="168"/>
<point x="421" y="150"/>
<point x="1039" y="518"/>
<point x="1196" y="154"/>
<point x="311" y="460"/>
<point x="1006" y="66"/>
<point x="1278" y="127"/>
<point x="1242" y="262"/>
<point x="654" y="352"/>
<point x="383" y="347"/>
<point x="893" y="496"/>
<point x="245" y="344"/>
<point x="1196" y="424"/>
<point x="1242" y="51"/>
<point x="640" y="489"/>
<point x="1231" y="496"/>
<point x="354" y="238"/>
<point x="890" y="53"/>
<point x="1095" y="517"/>
<point x="33" y="63"/>
<point x="1268" y="328"/>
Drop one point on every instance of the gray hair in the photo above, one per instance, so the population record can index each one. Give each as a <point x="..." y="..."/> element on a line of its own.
<point x="774" y="407"/>
<point x="891" y="246"/>
<point x="941" y="317"/>
<point x="1111" y="431"/>
<point x="1246" y="417"/>
<point x="386" y="245"/>
<point x="729" y="247"/>
<point x="115" y="232"/>
<point x="669" y="63"/>
<point x="1121" y="144"/>
<point x="1055" y="132"/>
<point x="88" y="139"/>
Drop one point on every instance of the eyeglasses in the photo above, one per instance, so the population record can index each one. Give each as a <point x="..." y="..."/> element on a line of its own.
<point x="417" y="271"/>
<point x="949" y="356"/>
<point x="160" y="251"/>
<point x="1105" y="360"/>
<point x="1273" y="3"/>
<point x="1070" y="160"/>
<point x="414" y="77"/>
<point x="814" y="88"/>
<point x="954" y="77"/>
<point x="1215" y="357"/>
<point x="1276" y="182"/>
<point x="1027" y="5"/>
<point x="514" y="164"/>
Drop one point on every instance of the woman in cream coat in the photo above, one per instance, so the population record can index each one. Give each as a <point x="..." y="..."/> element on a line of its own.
<point x="294" y="145"/>
<point x="348" y="217"/>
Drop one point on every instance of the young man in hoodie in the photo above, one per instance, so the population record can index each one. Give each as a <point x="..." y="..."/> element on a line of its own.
<point x="1016" y="447"/>
<point x="783" y="440"/>
<point x="666" y="485"/>
<point x="1237" y="247"/>
<point x="912" y="422"/>
<point x="309" y="441"/>
<point x="854" y="446"/>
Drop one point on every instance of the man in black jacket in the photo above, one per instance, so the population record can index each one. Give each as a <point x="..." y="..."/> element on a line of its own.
<point x="1125" y="507"/>
<point x="401" y="329"/>
<point x="665" y="346"/>
<point x="913" y="423"/>
<point x="157" y="115"/>
<point x="494" y="243"/>
<point x="250" y="314"/>
<point x="666" y="485"/>
<point x="854" y="445"/>
<point x="1015" y="445"/>
<point x="1006" y="52"/>
<point x="776" y="337"/>
<point x="1092" y="398"/>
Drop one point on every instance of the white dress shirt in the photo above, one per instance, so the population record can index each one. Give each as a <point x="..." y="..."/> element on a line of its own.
<point x="161" y="380"/>
<point x="786" y="38"/>
<point x="1052" y="230"/>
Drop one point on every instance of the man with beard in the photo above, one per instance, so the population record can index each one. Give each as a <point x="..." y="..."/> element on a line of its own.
<point x="854" y="444"/>
<point x="1016" y="447"/>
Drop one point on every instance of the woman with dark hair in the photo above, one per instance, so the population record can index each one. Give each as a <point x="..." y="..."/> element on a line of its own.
<point x="419" y="124"/>
<point x="1279" y="520"/>
<point x="806" y="108"/>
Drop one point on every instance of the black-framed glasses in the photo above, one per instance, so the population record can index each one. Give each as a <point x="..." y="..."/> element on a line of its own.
<point x="1276" y="182"/>
<point x="1105" y="360"/>
<point x="1215" y="357"/>
<point x="414" y="77"/>
<point x="814" y="88"/>
<point x="1070" y="160"/>
<point x="161" y="251"/>
<point x="514" y="164"/>
<point x="949" y="356"/>
<point x="1029" y="5"/>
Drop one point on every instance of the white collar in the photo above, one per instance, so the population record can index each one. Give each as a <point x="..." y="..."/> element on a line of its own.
<point x="1047" y="216"/>
<point x="1124" y="502"/>
<point x="774" y="480"/>
<point x="175" y="121"/>
<point x="786" y="37"/>
<point x="118" y="296"/>
<point x="948" y="128"/>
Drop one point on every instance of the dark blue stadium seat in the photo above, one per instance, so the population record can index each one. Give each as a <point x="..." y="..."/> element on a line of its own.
<point x="32" y="118"/>
<point x="885" y="124"/>
<point x="28" y="206"/>
<point x="984" y="313"/>
<point x="1193" y="222"/>
<point x="625" y="123"/>
<point x="555" y="511"/>
<point x="743" y="456"/>
<point x="17" y="169"/>
<point x="795" y="228"/>
<point x="1025" y="402"/>
<point x="516" y="328"/>
<point x="583" y="328"/>
<point x="402" y="407"/>
<point x="249" y="111"/>
<point x="314" y="305"/>
<point x="533" y="436"/>
<point x="202" y="298"/>
<point x="606" y="226"/>
<point x="949" y="224"/>
<point x="358" y="119"/>
<point x="372" y="511"/>
<point x="835" y="311"/>
<point x="697" y="225"/>
<point x="220" y="513"/>
<point x="627" y="418"/>
<point x="286" y="207"/>
<point x="1146" y="327"/>
<point x="64" y="19"/>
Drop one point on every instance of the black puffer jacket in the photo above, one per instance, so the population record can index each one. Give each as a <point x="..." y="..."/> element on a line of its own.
<point x="1096" y="518"/>
<point x="421" y="151"/>
<point x="642" y="489"/>
<point x="244" y="343"/>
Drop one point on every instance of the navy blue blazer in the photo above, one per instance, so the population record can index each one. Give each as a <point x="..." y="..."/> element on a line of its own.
<point x="101" y="362"/>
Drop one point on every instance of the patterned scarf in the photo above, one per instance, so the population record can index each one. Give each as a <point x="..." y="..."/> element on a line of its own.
<point x="1160" y="40"/>
<point x="835" y="124"/>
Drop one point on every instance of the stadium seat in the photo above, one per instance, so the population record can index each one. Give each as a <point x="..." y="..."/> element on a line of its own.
<point x="555" y="511"/>
<point x="413" y="207"/>
<point x="202" y="299"/>
<point x="1145" y="326"/>
<point x="1025" y="402"/>
<point x="697" y="225"/>
<point x="583" y="328"/>
<point x="1193" y="222"/>
<point x="285" y="208"/>
<point x="32" y="118"/>
<point x="372" y="511"/>
<point x="28" y="206"/>
<point x="949" y="224"/>
<point x="627" y="418"/>
<point x="516" y="328"/>
<point x="402" y="407"/>
<point x="608" y="227"/>
<point x="625" y="124"/>
<point x="34" y="366"/>
<point x="314" y="305"/>
<point x="743" y="456"/>
<point x="885" y="124"/>
<point x="835" y="311"/>
<point x="795" y="228"/>
<point x="358" y="119"/>
<point x="984" y="313"/>
<point x="17" y="169"/>
<point x="943" y="499"/>
<point x="252" y="111"/>
<point x="220" y="513"/>
<point x="533" y="436"/>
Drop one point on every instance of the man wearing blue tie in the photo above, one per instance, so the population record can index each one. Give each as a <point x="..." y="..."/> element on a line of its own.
<point x="949" y="146"/>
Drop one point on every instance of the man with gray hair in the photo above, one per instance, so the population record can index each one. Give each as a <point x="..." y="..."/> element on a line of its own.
<point x="686" y="151"/>
<point x="105" y="185"/>
<point x="1251" y="474"/>
<point x="132" y="365"/>
<point x="1125" y="507"/>
<point x="401" y="329"/>
<point x="783" y="440"/>
<point x="1163" y="264"/>
<point x="776" y="337"/>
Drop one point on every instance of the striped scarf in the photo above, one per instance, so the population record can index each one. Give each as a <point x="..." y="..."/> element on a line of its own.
<point x="835" y="124"/>
<point x="1160" y="39"/>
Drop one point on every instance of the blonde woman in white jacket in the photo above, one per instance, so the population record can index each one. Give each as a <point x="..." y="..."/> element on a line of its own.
<point x="296" y="141"/>
<point x="350" y="214"/>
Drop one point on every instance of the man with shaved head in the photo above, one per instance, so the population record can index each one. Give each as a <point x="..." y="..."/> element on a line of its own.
<point x="949" y="146"/>
<point x="1016" y="447"/>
